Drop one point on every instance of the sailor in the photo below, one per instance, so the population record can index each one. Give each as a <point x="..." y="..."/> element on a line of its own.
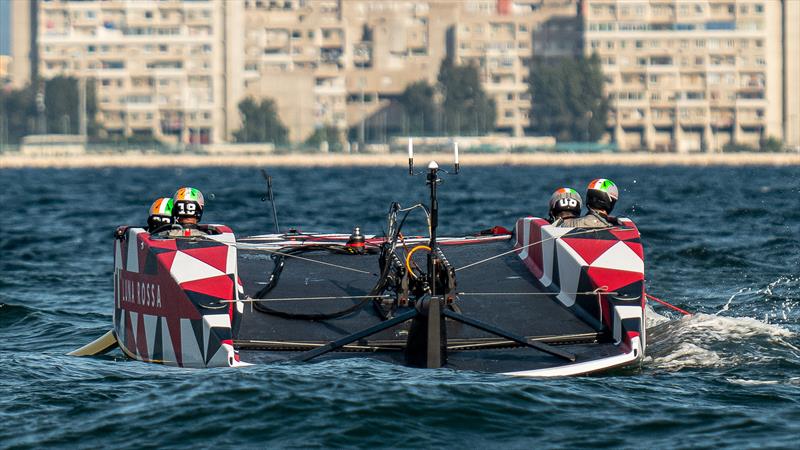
<point x="187" y="210"/>
<point x="565" y="203"/>
<point x="601" y="196"/>
<point x="160" y="215"/>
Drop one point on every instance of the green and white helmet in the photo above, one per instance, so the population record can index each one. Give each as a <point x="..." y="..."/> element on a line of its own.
<point x="188" y="202"/>
<point x="602" y="194"/>
<point x="160" y="214"/>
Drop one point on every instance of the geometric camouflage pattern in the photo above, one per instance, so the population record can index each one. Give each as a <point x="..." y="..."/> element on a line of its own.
<point x="166" y="298"/>
<point x="572" y="261"/>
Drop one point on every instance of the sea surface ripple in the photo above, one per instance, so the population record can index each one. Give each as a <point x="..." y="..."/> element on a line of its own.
<point x="723" y="243"/>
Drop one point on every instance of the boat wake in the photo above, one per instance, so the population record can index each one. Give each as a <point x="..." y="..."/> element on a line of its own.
<point x="731" y="337"/>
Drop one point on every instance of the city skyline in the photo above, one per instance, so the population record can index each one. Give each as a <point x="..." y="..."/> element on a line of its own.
<point x="680" y="75"/>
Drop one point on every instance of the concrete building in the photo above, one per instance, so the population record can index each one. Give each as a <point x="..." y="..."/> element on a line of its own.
<point x="355" y="56"/>
<point x="161" y="68"/>
<point x="23" y="56"/>
<point x="791" y="74"/>
<point x="337" y="63"/>
<point x="694" y="75"/>
<point x="683" y="75"/>
<point x="501" y="40"/>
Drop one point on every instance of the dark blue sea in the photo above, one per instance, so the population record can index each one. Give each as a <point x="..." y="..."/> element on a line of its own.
<point x="723" y="243"/>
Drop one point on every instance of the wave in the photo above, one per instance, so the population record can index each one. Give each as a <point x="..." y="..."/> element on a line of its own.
<point x="713" y="341"/>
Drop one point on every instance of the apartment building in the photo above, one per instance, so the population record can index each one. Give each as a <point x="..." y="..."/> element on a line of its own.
<point x="355" y="56"/>
<point x="683" y="75"/>
<point x="502" y="40"/>
<point x="791" y="74"/>
<point x="337" y="63"/>
<point x="690" y="75"/>
<point x="160" y="67"/>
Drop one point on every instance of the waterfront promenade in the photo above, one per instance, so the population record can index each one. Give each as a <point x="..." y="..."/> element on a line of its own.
<point x="8" y="161"/>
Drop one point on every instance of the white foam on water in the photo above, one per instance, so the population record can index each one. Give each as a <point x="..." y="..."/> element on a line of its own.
<point x="744" y="382"/>
<point x="652" y="318"/>
<point x="695" y="341"/>
<point x="708" y="326"/>
<point x="688" y="355"/>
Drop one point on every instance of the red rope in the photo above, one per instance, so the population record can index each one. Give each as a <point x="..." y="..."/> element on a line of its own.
<point x="682" y="311"/>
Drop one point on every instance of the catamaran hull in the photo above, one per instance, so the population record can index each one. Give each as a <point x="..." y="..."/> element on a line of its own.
<point x="188" y="302"/>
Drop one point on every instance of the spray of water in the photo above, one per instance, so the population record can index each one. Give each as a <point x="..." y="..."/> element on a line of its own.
<point x="739" y="334"/>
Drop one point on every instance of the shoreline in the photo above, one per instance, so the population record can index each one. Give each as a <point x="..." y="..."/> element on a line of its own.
<point x="398" y="159"/>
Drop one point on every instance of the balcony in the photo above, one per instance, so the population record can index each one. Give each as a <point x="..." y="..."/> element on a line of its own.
<point x="332" y="38"/>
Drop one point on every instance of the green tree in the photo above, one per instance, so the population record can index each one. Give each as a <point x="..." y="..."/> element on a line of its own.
<point x="329" y="134"/>
<point x="17" y="114"/>
<point x="18" y="109"/>
<point x="467" y="108"/>
<point x="61" y="105"/>
<point x="568" y="98"/>
<point x="420" y="107"/>
<point x="772" y="144"/>
<point x="260" y="122"/>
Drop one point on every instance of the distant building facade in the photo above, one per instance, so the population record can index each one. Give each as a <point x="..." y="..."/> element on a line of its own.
<point x="502" y="38"/>
<point x="694" y="75"/>
<point x="159" y="67"/>
<point x="682" y="75"/>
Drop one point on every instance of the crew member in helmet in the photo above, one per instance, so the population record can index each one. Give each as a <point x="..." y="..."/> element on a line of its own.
<point x="601" y="196"/>
<point x="187" y="210"/>
<point x="160" y="214"/>
<point x="565" y="203"/>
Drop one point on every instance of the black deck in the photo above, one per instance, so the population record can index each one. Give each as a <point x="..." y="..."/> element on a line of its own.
<point x="536" y="316"/>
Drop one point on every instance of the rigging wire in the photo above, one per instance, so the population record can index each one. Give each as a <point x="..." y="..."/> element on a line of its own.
<point x="595" y="292"/>
<point x="529" y="245"/>
<point x="286" y="299"/>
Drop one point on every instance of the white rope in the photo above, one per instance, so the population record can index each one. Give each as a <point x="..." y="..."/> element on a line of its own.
<point x="284" y="299"/>
<point x="526" y="246"/>
<point x="595" y="292"/>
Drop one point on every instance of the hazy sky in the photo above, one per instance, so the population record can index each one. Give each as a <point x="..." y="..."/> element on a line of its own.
<point x="5" y="28"/>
